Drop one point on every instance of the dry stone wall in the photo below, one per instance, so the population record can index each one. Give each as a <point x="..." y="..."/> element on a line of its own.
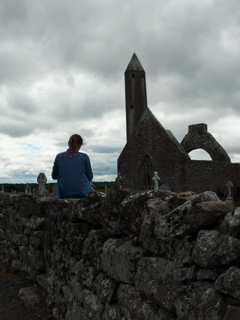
<point x="129" y="256"/>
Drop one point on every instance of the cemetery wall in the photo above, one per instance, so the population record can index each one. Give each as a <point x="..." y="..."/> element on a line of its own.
<point x="150" y="255"/>
<point x="212" y="175"/>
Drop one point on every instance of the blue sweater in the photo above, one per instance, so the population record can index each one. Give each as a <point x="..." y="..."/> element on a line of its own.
<point x="73" y="172"/>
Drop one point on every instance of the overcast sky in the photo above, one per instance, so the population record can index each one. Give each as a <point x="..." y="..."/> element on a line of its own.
<point x="62" y="67"/>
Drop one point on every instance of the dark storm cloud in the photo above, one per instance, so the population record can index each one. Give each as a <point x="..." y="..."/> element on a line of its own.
<point x="62" y="69"/>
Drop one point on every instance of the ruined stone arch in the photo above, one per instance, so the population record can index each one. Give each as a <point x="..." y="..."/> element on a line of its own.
<point x="199" y="138"/>
<point x="147" y="170"/>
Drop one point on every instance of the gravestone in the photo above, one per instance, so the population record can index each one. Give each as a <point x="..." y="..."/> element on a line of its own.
<point x="27" y="189"/>
<point x="229" y="186"/>
<point x="156" y="178"/>
<point x="42" y="180"/>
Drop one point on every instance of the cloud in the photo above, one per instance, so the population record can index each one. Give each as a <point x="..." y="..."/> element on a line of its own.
<point x="62" y="70"/>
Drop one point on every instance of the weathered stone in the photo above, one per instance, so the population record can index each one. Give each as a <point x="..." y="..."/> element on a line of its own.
<point x="16" y="266"/>
<point x="111" y="312"/>
<point x="205" y="274"/>
<point x="76" y="287"/>
<point x="213" y="305"/>
<point x="93" y="245"/>
<point x="212" y="249"/>
<point x="203" y="214"/>
<point x="36" y="223"/>
<point x="183" y="274"/>
<point x="110" y="210"/>
<point x="233" y="313"/>
<point x="119" y="258"/>
<point x="28" y="207"/>
<point x="152" y="279"/>
<point x="104" y="287"/>
<point x="42" y="280"/>
<point x="67" y="293"/>
<point x="133" y="307"/>
<point x="154" y="208"/>
<point x="175" y="223"/>
<point x="179" y="251"/>
<point x="133" y="209"/>
<point x="32" y="297"/>
<point x="36" y="259"/>
<point x="229" y="282"/>
<point x="231" y="223"/>
<point x="76" y="312"/>
<point x="88" y="209"/>
<point x="36" y="240"/>
<point x="85" y="274"/>
<point x="76" y="233"/>
<point x="188" y="301"/>
<point x="19" y="239"/>
<point x="93" y="308"/>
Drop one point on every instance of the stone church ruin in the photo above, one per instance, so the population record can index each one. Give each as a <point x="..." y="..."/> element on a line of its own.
<point x="150" y="147"/>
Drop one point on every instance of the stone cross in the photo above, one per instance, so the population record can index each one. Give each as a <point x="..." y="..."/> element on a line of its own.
<point x="156" y="178"/>
<point x="229" y="185"/>
<point x="27" y="188"/>
<point x="42" y="180"/>
<point x="106" y="191"/>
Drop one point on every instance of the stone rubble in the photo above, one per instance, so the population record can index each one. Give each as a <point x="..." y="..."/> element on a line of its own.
<point x="154" y="255"/>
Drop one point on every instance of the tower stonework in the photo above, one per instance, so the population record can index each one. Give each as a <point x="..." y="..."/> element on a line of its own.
<point x="136" y="94"/>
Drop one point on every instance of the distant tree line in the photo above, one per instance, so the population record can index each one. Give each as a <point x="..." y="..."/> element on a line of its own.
<point x="20" y="187"/>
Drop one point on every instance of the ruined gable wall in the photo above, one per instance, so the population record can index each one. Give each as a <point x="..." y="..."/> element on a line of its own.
<point x="150" y="255"/>
<point x="199" y="138"/>
<point x="168" y="157"/>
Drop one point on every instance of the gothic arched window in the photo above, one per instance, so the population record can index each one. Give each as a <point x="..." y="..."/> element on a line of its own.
<point x="147" y="170"/>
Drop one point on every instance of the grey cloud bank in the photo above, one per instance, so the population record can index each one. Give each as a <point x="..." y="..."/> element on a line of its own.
<point x="62" y="70"/>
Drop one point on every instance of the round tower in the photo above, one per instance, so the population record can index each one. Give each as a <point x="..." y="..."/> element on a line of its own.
<point x="135" y="92"/>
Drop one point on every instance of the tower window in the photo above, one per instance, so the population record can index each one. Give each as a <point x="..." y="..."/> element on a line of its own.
<point x="132" y="75"/>
<point x="131" y="106"/>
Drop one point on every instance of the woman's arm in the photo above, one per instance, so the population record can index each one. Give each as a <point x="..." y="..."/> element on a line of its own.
<point x="55" y="169"/>
<point x="89" y="172"/>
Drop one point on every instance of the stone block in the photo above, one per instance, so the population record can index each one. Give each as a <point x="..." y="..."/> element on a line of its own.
<point x="85" y="273"/>
<point x="154" y="278"/>
<point x="213" y="249"/>
<point x="183" y="274"/>
<point x="110" y="210"/>
<point x="92" y="307"/>
<point x="231" y="223"/>
<point x="134" y="307"/>
<point x="175" y="224"/>
<point x="32" y="297"/>
<point x="119" y="258"/>
<point x="204" y="214"/>
<point x="229" y="282"/>
<point x="88" y="209"/>
<point x="93" y="245"/>
<point x="75" y="235"/>
<point x="42" y="280"/>
<point x="104" y="287"/>
<point x="233" y="313"/>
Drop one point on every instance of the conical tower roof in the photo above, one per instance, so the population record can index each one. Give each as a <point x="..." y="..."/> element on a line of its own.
<point x="134" y="64"/>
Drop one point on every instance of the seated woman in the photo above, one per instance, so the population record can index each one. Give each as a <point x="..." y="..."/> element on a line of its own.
<point x="73" y="171"/>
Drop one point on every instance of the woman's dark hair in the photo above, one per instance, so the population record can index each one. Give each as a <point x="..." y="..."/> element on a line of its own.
<point x="74" y="141"/>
